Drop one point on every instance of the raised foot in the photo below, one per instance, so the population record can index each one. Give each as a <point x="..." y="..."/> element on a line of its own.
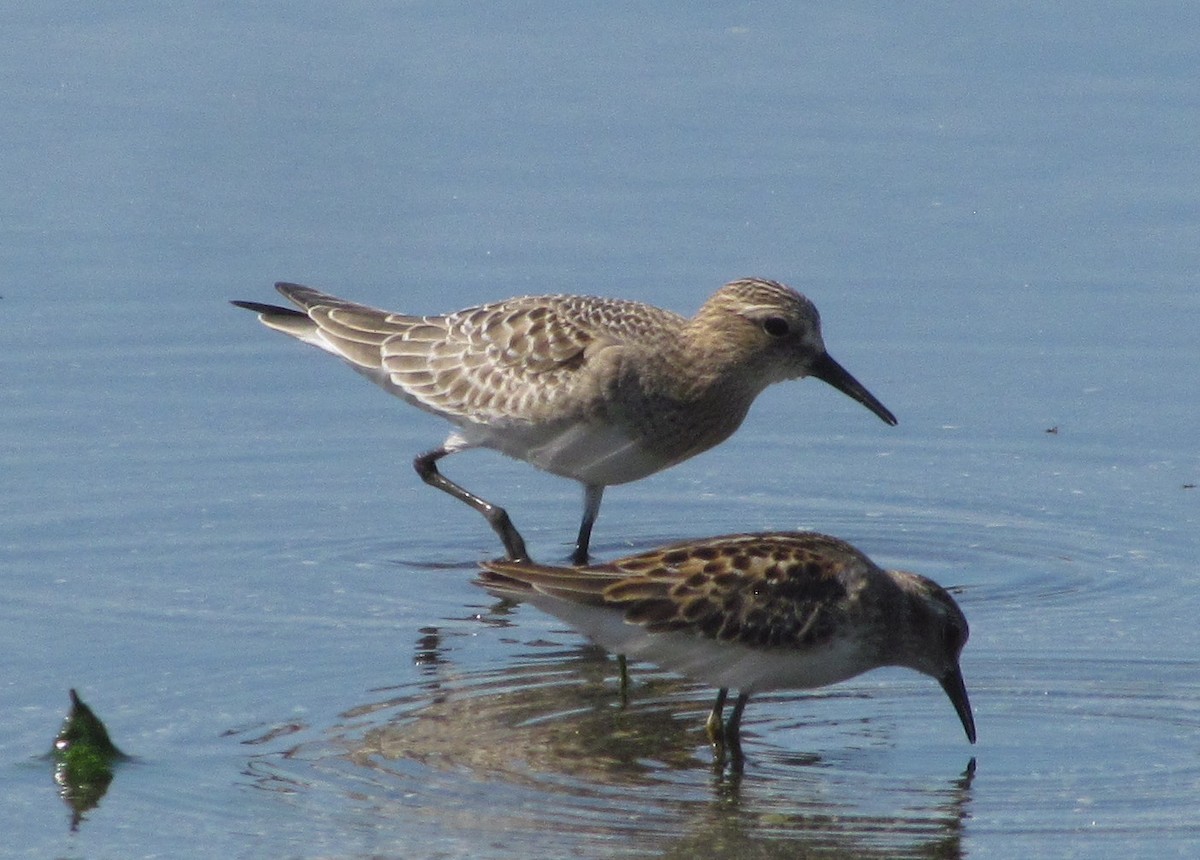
<point x="514" y="544"/>
<point x="497" y="517"/>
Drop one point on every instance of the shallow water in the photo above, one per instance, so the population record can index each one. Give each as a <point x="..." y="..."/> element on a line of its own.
<point x="215" y="534"/>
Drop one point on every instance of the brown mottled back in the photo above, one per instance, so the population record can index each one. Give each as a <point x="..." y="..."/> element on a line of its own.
<point x="797" y="591"/>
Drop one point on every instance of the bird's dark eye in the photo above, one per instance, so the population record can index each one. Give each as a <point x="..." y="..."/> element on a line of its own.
<point x="776" y="326"/>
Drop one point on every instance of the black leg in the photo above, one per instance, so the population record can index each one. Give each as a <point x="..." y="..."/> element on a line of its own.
<point x="592" y="496"/>
<point x="497" y="517"/>
<point x="733" y="725"/>
<point x="623" y="668"/>
<point x="714" y="725"/>
<point x="725" y="735"/>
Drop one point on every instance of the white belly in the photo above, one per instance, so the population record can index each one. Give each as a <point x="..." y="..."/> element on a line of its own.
<point x="721" y="664"/>
<point x="596" y="454"/>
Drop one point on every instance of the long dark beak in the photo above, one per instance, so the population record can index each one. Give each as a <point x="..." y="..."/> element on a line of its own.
<point x="952" y="683"/>
<point x="828" y="370"/>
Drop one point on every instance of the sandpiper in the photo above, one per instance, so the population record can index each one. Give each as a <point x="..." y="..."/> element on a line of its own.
<point x="754" y="612"/>
<point x="604" y="391"/>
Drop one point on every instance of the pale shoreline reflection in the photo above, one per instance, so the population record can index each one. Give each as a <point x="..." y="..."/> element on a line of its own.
<point x="549" y="737"/>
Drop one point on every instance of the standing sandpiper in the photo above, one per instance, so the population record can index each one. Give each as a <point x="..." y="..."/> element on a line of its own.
<point x="754" y="612"/>
<point x="604" y="391"/>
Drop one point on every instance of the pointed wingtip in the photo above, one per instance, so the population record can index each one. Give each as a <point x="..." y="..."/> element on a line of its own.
<point x="492" y="578"/>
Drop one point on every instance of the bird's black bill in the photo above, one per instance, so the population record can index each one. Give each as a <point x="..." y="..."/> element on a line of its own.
<point x="828" y="370"/>
<point x="952" y="683"/>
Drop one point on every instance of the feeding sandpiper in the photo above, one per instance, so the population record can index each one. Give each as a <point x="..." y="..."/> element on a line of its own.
<point x="604" y="391"/>
<point x="754" y="612"/>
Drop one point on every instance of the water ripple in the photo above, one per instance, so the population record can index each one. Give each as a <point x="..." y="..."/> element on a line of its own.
<point x="543" y="746"/>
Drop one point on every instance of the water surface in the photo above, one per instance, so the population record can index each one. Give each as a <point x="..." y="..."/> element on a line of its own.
<point x="215" y="534"/>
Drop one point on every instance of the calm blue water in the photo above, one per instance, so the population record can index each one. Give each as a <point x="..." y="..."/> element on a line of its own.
<point x="216" y="536"/>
